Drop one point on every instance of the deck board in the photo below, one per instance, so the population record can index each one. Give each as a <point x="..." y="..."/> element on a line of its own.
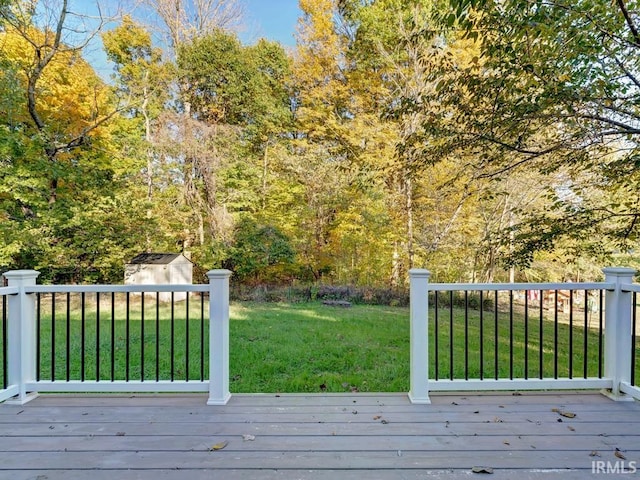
<point x="346" y="436"/>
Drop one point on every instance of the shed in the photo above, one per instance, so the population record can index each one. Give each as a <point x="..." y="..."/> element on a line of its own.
<point x="160" y="269"/>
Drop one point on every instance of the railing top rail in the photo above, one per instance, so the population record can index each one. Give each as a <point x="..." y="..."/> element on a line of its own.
<point x="630" y="287"/>
<point x="9" y="290"/>
<point x="116" y="288"/>
<point x="519" y="286"/>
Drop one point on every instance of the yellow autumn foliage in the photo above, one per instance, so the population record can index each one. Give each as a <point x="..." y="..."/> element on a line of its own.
<point x="70" y="97"/>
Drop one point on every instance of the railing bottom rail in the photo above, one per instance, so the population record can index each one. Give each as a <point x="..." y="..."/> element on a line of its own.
<point x="118" y="386"/>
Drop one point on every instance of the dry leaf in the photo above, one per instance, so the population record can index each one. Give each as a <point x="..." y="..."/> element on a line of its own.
<point x="377" y="417"/>
<point x="218" y="446"/>
<point x="619" y="454"/>
<point x="120" y="434"/>
<point x="594" y="453"/>
<point x="482" y="470"/>
<point x="564" y="413"/>
<point x="248" y="438"/>
<point x="384" y="421"/>
<point x="572" y="429"/>
<point x="506" y="443"/>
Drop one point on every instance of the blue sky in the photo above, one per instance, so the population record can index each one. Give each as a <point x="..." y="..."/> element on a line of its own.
<point x="272" y="19"/>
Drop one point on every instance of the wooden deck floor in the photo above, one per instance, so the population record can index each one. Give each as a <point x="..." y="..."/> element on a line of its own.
<point x="337" y="437"/>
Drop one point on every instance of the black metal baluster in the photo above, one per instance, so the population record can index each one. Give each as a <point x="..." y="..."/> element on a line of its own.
<point x="633" y="341"/>
<point x="38" y="335"/>
<point x="526" y="334"/>
<point x="435" y="331"/>
<point x="127" y="336"/>
<point x="495" y="334"/>
<point x="97" y="336"/>
<point x="5" y="369"/>
<point x="570" y="333"/>
<point x="53" y="337"/>
<point x="555" y="335"/>
<point x="541" y="328"/>
<point x="157" y="336"/>
<point x="600" y="331"/>
<point x="113" y="336"/>
<point x="172" y="336"/>
<point x="511" y="334"/>
<point x="68" y="338"/>
<point x="82" y="335"/>
<point x="586" y="333"/>
<point x="481" y="336"/>
<point x="202" y="355"/>
<point x="142" y="337"/>
<point x="186" y="358"/>
<point x="466" y="335"/>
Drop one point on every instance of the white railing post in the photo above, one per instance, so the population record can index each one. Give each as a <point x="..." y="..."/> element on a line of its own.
<point x="419" y="340"/>
<point x="21" y="334"/>
<point x="218" y="337"/>
<point x="617" y="335"/>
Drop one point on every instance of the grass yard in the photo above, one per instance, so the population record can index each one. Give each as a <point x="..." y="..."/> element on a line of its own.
<point x="303" y="347"/>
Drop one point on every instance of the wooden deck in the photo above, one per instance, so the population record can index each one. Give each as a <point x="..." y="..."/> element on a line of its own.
<point x="356" y="436"/>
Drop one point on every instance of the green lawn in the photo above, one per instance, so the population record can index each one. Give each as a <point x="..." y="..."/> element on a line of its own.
<point x="304" y="347"/>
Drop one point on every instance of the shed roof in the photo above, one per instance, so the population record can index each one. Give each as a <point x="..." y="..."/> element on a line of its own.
<point x="154" y="258"/>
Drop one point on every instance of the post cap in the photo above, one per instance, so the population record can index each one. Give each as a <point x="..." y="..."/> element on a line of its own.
<point x="619" y="271"/>
<point x="222" y="273"/>
<point x="21" y="275"/>
<point x="419" y="273"/>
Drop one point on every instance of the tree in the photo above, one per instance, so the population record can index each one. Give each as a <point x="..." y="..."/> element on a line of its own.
<point x="61" y="178"/>
<point x="555" y="88"/>
<point x="40" y="54"/>
<point x="261" y="253"/>
<point x="186" y="20"/>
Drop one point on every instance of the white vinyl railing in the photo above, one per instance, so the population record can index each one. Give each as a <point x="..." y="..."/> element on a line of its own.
<point x="605" y="353"/>
<point x="21" y="337"/>
<point x="617" y="338"/>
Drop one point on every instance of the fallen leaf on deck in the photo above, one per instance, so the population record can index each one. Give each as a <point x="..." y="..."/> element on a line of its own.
<point x="384" y="421"/>
<point x="564" y="413"/>
<point x="248" y="438"/>
<point x="218" y="446"/>
<point x="497" y="420"/>
<point x="120" y="434"/>
<point x="594" y="453"/>
<point x="619" y="454"/>
<point x="482" y="470"/>
<point x="572" y="429"/>
<point x="377" y="417"/>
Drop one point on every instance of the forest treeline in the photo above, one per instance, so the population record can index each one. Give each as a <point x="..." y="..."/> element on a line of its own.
<point x="482" y="139"/>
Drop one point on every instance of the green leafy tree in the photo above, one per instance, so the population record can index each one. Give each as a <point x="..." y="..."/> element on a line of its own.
<point x="260" y="254"/>
<point x="554" y="88"/>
